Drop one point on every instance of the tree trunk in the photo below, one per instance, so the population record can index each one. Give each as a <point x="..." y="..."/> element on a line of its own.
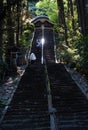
<point x="10" y="26"/>
<point x="72" y="14"/>
<point x="62" y="22"/>
<point x="17" y="29"/>
<point x="1" y="29"/>
<point x="81" y="15"/>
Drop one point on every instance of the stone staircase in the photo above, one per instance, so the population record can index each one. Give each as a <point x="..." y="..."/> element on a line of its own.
<point x="28" y="109"/>
<point x="70" y="103"/>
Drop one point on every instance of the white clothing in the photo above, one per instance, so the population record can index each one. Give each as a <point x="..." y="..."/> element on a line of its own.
<point x="38" y="43"/>
<point x="32" y="56"/>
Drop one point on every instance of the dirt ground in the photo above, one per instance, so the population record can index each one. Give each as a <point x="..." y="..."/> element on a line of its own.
<point x="8" y="88"/>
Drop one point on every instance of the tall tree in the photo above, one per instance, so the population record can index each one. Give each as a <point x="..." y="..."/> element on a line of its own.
<point x="62" y="22"/>
<point x="70" y="3"/>
<point x="81" y="14"/>
<point x="18" y="23"/>
<point x="10" y="24"/>
<point x="1" y="27"/>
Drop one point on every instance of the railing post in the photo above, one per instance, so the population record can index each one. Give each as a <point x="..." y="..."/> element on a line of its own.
<point x="42" y="42"/>
<point x="50" y="105"/>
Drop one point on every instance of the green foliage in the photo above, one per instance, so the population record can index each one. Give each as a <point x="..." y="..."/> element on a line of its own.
<point x="69" y="55"/>
<point x="24" y="40"/>
<point x="49" y="8"/>
<point x="71" y="22"/>
<point x="26" y="35"/>
<point x="82" y="46"/>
